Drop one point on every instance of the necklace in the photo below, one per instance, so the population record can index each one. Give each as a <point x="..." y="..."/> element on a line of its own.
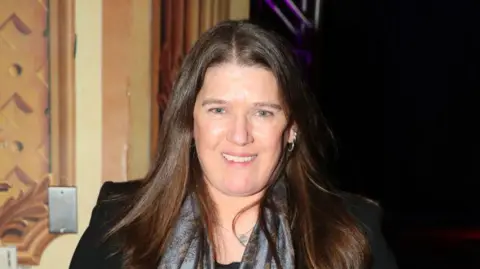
<point x="243" y="237"/>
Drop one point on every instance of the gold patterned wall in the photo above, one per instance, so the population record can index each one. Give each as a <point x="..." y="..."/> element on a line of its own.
<point x="26" y="126"/>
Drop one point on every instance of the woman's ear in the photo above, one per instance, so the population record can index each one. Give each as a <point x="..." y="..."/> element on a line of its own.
<point x="292" y="133"/>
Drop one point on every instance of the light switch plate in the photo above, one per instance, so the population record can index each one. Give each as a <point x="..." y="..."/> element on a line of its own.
<point x="8" y="257"/>
<point x="62" y="203"/>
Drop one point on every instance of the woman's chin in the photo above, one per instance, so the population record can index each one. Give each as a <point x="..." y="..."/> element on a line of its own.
<point x="235" y="188"/>
<point x="240" y="191"/>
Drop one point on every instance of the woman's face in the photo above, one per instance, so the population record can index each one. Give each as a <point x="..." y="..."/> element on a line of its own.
<point x="239" y="124"/>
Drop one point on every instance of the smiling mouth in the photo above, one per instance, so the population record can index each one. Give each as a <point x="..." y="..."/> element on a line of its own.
<point x="239" y="159"/>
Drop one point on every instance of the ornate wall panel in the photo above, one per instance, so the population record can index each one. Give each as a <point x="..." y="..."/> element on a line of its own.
<point x="30" y="116"/>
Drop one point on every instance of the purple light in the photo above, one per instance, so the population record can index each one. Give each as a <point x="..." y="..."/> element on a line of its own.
<point x="304" y="55"/>
<point x="279" y="13"/>
<point x="298" y="13"/>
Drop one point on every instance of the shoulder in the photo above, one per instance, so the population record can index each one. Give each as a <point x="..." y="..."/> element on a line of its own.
<point x="113" y="202"/>
<point x="369" y="216"/>
<point x="116" y="197"/>
<point x="368" y="213"/>
<point x="94" y="250"/>
<point x="110" y="189"/>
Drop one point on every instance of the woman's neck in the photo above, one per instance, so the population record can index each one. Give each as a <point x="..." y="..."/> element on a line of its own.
<point x="230" y="244"/>
<point x="228" y="208"/>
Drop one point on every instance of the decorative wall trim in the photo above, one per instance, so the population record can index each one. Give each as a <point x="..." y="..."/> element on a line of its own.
<point x="24" y="223"/>
<point x="62" y="91"/>
<point x="24" y="214"/>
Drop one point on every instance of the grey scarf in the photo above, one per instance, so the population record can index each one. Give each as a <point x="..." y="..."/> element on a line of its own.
<point x="186" y="244"/>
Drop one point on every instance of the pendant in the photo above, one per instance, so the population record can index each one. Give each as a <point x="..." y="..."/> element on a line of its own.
<point x="243" y="239"/>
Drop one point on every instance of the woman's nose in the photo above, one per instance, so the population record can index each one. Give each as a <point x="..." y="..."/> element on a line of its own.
<point x="239" y="132"/>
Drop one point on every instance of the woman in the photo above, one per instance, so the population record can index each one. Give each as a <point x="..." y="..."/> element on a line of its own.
<point x="236" y="182"/>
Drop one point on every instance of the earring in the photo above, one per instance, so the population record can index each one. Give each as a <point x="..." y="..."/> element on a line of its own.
<point x="291" y="146"/>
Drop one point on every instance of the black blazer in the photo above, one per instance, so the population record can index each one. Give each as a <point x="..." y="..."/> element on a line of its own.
<point x="93" y="253"/>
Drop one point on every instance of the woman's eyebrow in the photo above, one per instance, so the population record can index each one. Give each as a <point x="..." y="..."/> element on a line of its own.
<point x="267" y="104"/>
<point x="213" y="101"/>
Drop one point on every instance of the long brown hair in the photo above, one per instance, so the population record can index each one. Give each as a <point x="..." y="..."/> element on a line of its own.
<point x="325" y="235"/>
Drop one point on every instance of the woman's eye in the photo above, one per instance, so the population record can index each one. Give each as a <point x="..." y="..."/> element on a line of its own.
<point x="264" y="113"/>
<point x="217" y="110"/>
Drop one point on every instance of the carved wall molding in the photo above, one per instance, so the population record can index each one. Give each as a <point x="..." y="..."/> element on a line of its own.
<point x="37" y="120"/>
<point x="24" y="222"/>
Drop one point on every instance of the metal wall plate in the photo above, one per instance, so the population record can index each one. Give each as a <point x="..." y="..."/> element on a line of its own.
<point x="62" y="203"/>
<point x="8" y="257"/>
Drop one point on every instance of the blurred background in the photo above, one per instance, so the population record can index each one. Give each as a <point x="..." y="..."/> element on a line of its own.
<point x="397" y="80"/>
<point x="83" y="85"/>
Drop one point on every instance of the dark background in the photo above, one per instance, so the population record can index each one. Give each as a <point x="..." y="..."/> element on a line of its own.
<point x="398" y="81"/>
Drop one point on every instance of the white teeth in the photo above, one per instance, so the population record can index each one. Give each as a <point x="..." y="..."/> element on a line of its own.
<point x="238" y="159"/>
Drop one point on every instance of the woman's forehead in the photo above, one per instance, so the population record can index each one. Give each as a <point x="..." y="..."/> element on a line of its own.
<point x="237" y="82"/>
